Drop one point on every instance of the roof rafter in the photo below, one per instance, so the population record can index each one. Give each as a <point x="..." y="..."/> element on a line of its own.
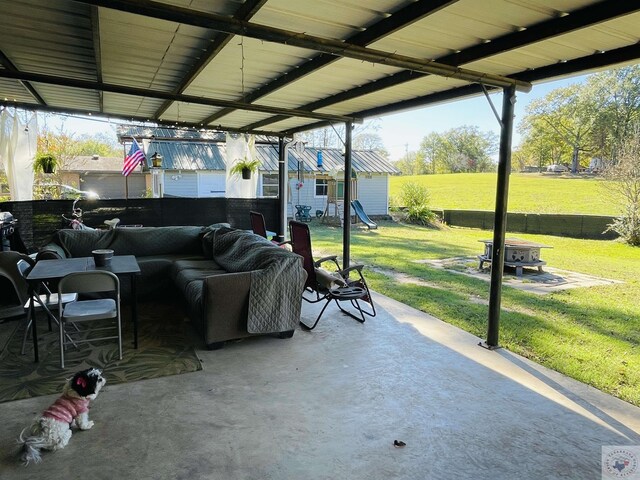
<point x="97" y="49"/>
<point x="8" y="64"/>
<point x="247" y="10"/>
<point x="277" y="35"/>
<point x="143" y="92"/>
<point x="578" y="19"/>
<point x="129" y="118"/>
<point x="403" y="17"/>
<point x="590" y="62"/>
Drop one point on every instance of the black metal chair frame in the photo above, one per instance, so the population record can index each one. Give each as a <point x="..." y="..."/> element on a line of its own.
<point x="353" y="290"/>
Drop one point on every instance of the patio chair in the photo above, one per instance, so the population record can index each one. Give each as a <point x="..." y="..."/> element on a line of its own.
<point x="259" y="227"/>
<point x="98" y="281"/>
<point x="15" y="267"/>
<point x="325" y="286"/>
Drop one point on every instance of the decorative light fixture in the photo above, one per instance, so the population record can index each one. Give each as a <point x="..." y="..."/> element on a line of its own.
<point x="156" y="160"/>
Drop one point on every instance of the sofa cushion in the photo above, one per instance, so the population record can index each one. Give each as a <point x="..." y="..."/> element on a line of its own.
<point x="146" y="241"/>
<point x="185" y="276"/>
<point x="80" y="243"/>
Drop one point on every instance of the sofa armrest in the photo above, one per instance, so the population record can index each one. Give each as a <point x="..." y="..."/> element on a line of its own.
<point x="226" y="306"/>
<point x="51" y="251"/>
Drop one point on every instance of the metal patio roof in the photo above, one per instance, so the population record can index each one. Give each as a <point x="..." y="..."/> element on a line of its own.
<point x="281" y="66"/>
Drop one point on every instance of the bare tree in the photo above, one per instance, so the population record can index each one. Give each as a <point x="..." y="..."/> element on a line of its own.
<point x="624" y="186"/>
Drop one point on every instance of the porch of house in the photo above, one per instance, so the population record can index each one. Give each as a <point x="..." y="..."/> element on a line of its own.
<point x="330" y="403"/>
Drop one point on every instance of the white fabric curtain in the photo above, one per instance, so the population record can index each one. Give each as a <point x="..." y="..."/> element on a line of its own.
<point x="18" y="144"/>
<point x="239" y="147"/>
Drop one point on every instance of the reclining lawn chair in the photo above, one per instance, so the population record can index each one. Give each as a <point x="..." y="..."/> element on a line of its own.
<point x="259" y="227"/>
<point x="322" y="285"/>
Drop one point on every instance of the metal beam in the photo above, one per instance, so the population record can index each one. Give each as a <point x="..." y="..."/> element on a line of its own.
<point x="247" y="10"/>
<point x="8" y="64"/>
<point x="126" y="118"/>
<point x="346" y="227"/>
<point x="97" y="51"/>
<point x="403" y="17"/>
<point x="142" y="92"/>
<point x="597" y="13"/>
<point x="297" y="39"/>
<point x="590" y="62"/>
<point x="500" y="219"/>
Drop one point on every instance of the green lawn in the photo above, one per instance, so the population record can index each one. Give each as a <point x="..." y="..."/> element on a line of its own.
<point x="590" y="334"/>
<point x="533" y="193"/>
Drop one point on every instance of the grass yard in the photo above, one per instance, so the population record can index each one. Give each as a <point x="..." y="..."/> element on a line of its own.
<point x="590" y="334"/>
<point x="533" y="193"/>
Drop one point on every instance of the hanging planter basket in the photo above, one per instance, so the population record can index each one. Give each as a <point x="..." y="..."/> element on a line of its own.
<point x="245" y="168"/>
<point x="45" y="163"/>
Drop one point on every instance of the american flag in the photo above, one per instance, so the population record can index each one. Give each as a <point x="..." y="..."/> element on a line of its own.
<point x="134" y="158"/>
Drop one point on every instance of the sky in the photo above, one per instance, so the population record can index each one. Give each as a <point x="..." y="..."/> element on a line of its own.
<point x="402" y="132"/>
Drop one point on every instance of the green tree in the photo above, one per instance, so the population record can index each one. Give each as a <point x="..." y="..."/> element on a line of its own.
<point x="617" y="94"/>
<point x="461" y="149"/>
<point x="566" y="114"/>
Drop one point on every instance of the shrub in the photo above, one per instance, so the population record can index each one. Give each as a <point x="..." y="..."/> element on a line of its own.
<point x="624" y="176"/>
<point x="415" y="198"/>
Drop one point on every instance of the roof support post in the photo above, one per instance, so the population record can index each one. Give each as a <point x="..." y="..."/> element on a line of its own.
<point x="282" y="189"/>
<point x="500" y="221"/>
<point x="346" y="227"/>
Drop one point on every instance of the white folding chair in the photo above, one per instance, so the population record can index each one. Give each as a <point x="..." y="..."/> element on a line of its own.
<point x="98" y="281"/>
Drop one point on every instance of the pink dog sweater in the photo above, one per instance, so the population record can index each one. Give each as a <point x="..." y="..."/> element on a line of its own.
<point x="66" y="408"/>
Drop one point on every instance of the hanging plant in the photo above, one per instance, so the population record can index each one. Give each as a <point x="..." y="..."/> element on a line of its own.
<point x="244" y="167"/>
<point x="45" y="163"/>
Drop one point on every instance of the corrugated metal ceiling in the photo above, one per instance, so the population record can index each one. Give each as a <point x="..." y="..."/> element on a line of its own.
<point x="111" y="47"/>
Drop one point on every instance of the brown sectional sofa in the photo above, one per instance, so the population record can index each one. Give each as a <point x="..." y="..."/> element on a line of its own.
<point x="234" y="283"/>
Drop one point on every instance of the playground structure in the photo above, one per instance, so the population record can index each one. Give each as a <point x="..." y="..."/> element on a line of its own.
<point x="335" y="204"/>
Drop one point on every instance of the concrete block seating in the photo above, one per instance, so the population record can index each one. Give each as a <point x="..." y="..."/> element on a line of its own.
<point x="234" y="284"/>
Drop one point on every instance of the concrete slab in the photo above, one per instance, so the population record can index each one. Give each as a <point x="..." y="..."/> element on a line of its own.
<point x="329" y="404"/>
<point x="532" y="281"/>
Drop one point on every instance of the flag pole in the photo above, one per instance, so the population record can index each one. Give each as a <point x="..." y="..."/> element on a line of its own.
<point x="126" y="177"/>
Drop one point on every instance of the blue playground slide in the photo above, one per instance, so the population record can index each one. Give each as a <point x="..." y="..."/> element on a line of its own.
<point x="357" y="206"/>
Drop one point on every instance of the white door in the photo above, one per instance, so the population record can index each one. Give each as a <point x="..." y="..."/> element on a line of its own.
<point x="211" y="184"/>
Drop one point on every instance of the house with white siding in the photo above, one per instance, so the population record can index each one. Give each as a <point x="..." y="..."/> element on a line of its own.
<point x="193" y="166"/>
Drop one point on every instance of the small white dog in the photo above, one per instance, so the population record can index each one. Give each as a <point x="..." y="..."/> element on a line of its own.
<point x="52" y="430"/>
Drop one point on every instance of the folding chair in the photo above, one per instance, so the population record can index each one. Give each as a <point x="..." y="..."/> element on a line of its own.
<point x="98" y="281"/>
<point x="15" y="267"/>
<point x="322" y="285"/>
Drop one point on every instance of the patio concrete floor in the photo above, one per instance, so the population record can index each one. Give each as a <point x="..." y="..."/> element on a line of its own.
<point x="329" y="404"/>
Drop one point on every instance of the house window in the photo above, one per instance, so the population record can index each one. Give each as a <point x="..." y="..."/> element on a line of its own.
<point x="270" y="185"/>
<point x="321" y="187"/>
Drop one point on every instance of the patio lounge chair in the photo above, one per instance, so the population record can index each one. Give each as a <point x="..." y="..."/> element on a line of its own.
<point x="258" y="224"/>
<point x="259" y="227"/>
<point x="322" y="285"/>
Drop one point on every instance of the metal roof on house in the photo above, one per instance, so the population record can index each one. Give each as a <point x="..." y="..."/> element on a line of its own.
<point x="190" y="155"/>
<point x="281" y="66"/>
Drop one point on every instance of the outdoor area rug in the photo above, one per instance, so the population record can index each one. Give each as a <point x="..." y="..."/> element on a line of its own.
<point x="165" y="347"/>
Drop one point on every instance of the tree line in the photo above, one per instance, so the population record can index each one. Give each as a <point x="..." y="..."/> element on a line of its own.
<point x="569" y="126"/>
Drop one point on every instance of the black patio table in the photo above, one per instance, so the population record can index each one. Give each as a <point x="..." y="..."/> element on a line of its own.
<point x="47" y="270"/>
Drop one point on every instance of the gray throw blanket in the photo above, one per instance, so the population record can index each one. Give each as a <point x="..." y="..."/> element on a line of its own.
<point x="277" y="278"/>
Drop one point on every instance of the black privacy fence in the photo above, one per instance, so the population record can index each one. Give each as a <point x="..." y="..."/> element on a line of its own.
<point x="37" y="220"/>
